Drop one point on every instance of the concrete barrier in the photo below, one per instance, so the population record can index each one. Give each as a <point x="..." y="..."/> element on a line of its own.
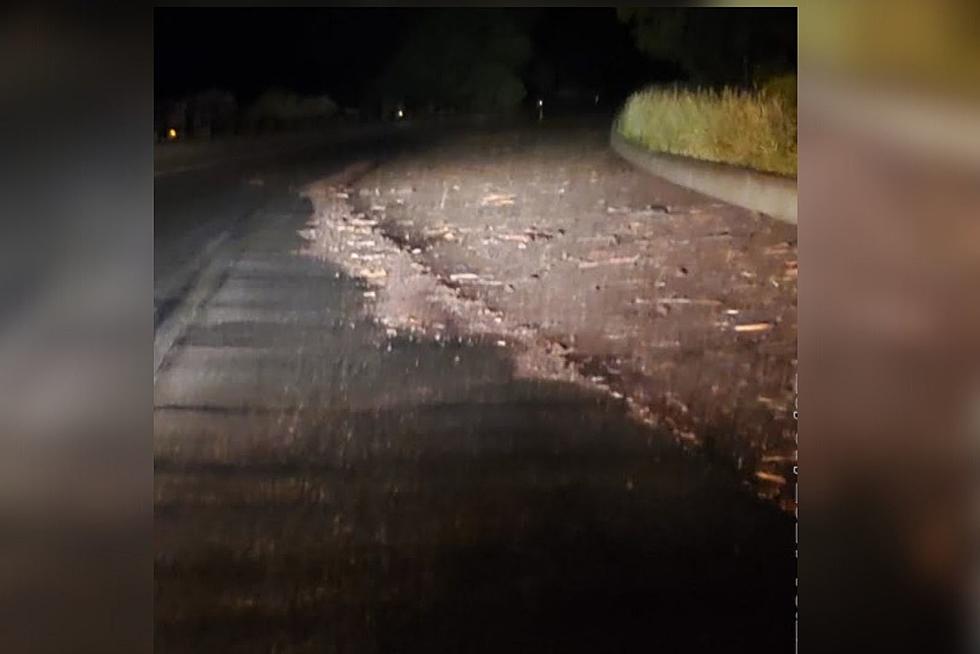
<point x="768" y="193"/>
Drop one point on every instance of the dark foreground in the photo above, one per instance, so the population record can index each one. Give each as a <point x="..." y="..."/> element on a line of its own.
<point x="326" y="482"/>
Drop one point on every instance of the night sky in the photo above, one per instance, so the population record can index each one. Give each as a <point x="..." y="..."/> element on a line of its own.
<point x="340" y="51"/>
<point x="357" y="55"/>
<point x="248" y="50"/>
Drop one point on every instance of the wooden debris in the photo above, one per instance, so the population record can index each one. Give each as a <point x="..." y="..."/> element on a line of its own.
<point x="497" y="200"/>
<point x="615" y="261"/>
<point x="753" y="327"/>
<point x="687" y="300"/>
<point x="770" y="477"/>
<point x="779" y="248"/>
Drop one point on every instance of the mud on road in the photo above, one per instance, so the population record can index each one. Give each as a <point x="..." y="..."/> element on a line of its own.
<point x="681" y="307"/>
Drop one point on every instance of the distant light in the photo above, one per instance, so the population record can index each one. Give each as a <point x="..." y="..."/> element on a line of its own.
<point x="401" y="114"/>
<point x="171" y="133"/>
<point x="540" y="102"/>
<point x="597" y="98"/>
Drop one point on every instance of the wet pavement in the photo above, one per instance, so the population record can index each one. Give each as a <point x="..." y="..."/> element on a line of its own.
<point x="328" y="479"/>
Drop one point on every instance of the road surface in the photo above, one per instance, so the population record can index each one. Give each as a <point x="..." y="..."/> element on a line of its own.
<point x="344" y="465"/>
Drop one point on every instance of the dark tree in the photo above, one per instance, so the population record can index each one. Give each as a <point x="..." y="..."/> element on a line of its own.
<point x="469" y="60"/>
<point x="717" y="46"/>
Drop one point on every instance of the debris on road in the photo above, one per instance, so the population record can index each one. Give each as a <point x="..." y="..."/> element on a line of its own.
<point x="770" y="477"/>
<point x="614" y="261"/>
<point x="497" y="200"/>
<point x="373" y="273"/>
<point x="754" y="327"/>
<point x="687" y="300"/>
<point x="643" y="290"/>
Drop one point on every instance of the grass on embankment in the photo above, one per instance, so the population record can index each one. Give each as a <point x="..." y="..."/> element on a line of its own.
<point x="754" y="129"/>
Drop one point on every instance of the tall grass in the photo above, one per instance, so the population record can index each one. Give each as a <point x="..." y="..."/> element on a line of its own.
<point x="755" y="129"/>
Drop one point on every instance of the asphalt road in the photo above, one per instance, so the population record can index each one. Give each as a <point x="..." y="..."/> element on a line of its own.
<point x="325" y="483"/>
<point x="205" y="193"/>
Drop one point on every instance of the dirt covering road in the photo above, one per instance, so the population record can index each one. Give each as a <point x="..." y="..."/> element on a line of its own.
<point x="679" y="306"/>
